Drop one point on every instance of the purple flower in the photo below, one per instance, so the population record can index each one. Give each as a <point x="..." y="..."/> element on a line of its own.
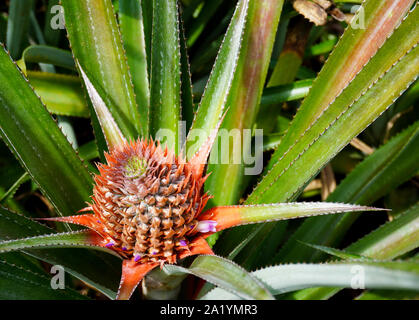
<point x="137" y="257"/>
<point x="109" y="244"/>
<point x="182" y="243"/>
<point x="205" y="226"/>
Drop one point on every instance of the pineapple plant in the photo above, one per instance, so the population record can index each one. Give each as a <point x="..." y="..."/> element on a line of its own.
<point x="159" y="200"/>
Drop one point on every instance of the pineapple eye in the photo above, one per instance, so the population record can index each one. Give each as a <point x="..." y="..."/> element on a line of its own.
<point x="135" y="167"/>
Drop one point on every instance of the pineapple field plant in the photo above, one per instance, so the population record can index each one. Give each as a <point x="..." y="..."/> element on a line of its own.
<point x="207" y="149"/>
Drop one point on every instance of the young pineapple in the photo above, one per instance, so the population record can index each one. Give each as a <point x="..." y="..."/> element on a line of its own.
<point x="148" y="201"/>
